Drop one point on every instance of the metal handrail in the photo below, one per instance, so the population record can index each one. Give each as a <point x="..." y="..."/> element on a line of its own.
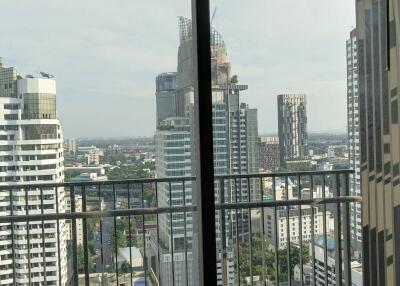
<point x="175" y="209"/>
<point x="285" y="174"/>
<point x="177" y="179"/>
<point x="99" y="183"/>
<point x="224" y="207"/>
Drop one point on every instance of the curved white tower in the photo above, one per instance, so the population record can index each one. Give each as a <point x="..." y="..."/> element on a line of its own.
<point x="31" y="151"/>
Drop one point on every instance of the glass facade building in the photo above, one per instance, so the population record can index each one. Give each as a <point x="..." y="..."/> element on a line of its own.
<point x="39" y="106"/>
<point x="165" y="96"/>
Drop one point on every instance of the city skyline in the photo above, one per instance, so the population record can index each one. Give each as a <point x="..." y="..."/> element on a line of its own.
<point x="102" y="62"/>
<point x="172" y="183"/>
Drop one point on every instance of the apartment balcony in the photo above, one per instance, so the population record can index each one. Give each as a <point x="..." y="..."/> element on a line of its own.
<point x="145" y="232"/>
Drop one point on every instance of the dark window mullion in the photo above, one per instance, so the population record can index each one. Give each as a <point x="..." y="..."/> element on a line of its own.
<point x="207" y="258"/>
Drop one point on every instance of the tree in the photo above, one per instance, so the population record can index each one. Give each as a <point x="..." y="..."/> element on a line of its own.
<point x="118" y="241"/>
<point x="294" y="260"/>
<point x="132" y="241"/>
<point x="125" y="267"/>
<point x="148" y="195"/>
<point x="269" y="259"/>
<point x="234" y="79"/>
<point x="91" y="249"/>
<point x="149" y="165"/>
<point x="71" y="174"/>
<point x="92" y="228"/>
<point x="81" y="257"/>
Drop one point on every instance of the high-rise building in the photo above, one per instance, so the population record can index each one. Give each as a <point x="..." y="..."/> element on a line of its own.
<point x="173" y="159"/>
<point x="269" y="153"/>
<point x="235" y="127"/>
<point x="353" y="132"/>
<point x="165" y="96"/>
<point x="378" y="60"/>
<point x="72" y="147"/>
<point x="31" y="147"/>
<point x="325" y="263"/>
<point x="292" y="127"/>
<point x="378" y="86"/>
<point x="235" y="140"/>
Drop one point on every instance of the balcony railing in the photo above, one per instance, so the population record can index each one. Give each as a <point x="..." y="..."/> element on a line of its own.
<point x="271" y="229"/>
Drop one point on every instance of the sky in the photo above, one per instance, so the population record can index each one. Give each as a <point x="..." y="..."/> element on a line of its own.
<point x="105" y="55"/>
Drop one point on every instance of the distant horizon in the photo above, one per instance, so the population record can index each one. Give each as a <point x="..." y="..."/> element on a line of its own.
<point x="344" y="133"/>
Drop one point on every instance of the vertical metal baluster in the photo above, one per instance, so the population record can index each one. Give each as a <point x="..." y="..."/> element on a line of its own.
<point x="237" y="231"/>
<point x="43" y="242"/>
<point x="158" y="239"/>
<point x="276" y="232"/>
<point x="12" y="235"/>
<point x="223" y="235"/>
<point x="262" y="232"/>
<point x="324" y="230"/>
<point x="172" y="235"/>
<point x="300" y="232"/>
<point x="115" y="234"/>
<point x="185" y="233"/>
<point x="313" y="230"/>
<point x="250" y="233"/>
<point x="85" y="238"/>
<point x="347" y="235"/>
<point x="74" y="237"/>
<point x="338" y="236"/>
<point x="130" y="233"/>
<point x="288" y="231"/>
<point x="101" y="234"/>
<point x="242" y="198"/>
<point x="58" y="238"/>
<point x="229" y="216"/>
<point x="144" y="239"/>
<point x="388" y="35"/>
<point x="28" y="234"/>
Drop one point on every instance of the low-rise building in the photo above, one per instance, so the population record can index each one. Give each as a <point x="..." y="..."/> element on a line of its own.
<point x="283" y="217"/>
<point x="132" y="256"/>
<point x="307" y="274"/>
<point x="92" y="154"/>
<point x="88" y="177"/>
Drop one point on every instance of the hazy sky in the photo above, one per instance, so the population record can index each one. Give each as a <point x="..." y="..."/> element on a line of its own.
<point x="106" y="54"/>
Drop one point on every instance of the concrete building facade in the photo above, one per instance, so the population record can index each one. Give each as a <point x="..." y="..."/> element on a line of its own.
<point x="269" y="153"/>
<point x="285" y="219"/>
<point x="378" y="42"/>
<point x="31" y="151"/>
<point x="327" y="278"/>
<point x="292" y="127"/>
<point x="353" y="132"/>
<point x="173" y="159"/>
<point x="72" y="146"/>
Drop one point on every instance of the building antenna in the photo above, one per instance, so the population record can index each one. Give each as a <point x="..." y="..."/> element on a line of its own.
<point x="213" y="15"/>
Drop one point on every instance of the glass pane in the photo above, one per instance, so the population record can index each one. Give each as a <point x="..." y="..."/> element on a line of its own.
<point x="284" y="87"/>
<point x="98" y="94"/>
